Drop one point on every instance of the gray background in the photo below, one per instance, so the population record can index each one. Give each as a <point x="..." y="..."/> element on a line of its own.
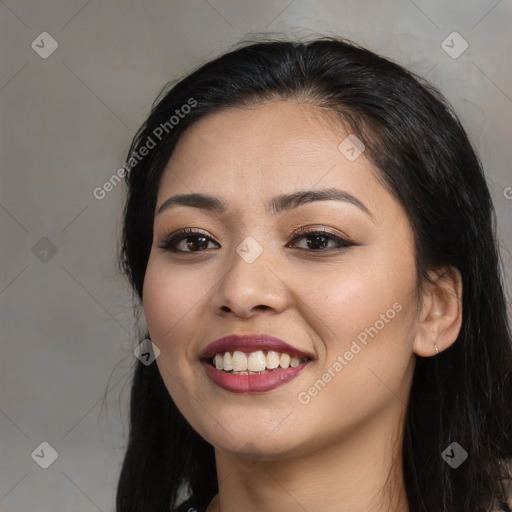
<point x="67" y="121"/>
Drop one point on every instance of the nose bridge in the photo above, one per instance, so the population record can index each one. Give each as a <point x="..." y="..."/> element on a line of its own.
<point x="249" y="261"/>
<point x="249" y="280"/>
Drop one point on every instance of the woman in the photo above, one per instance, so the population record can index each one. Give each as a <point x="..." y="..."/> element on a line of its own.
<point x="311" y="237"/>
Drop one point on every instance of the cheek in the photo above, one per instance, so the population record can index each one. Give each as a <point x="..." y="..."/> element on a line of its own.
<point x="366" y="322"/>
<point x="171" y="297"/>
<point x="171" y="302"/>
<point x="365" y="316"/>
<point x="345" y="301"/>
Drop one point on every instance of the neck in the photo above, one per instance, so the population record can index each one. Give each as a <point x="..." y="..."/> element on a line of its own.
<point x="361" y="471"/>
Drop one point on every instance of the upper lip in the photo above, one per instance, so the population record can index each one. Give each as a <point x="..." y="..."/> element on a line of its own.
<point x="251" y="343"/>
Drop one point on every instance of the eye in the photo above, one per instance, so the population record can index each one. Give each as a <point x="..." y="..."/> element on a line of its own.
<point x="195" y="239"/>
<point x="320" y="238"/>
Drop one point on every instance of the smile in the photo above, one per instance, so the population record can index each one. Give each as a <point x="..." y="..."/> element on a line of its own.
<point x="254" y="372"/>
<point x="255" y="362"/>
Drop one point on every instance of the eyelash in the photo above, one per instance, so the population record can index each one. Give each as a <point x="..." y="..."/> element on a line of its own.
<point x="170" y="241"/>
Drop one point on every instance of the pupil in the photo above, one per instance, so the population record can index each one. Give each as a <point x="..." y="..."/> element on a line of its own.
<point x="190" y="245"/>
<point x="315" y="238"/>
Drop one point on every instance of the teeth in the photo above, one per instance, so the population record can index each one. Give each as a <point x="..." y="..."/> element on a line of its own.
<point x="218" y="361"/>
<point x="239" y="361"/>
<point x="248" y="373"/>
<point x="228" y="362"/>
<point x="272" y="360"/>
<point x="255" y="362"/>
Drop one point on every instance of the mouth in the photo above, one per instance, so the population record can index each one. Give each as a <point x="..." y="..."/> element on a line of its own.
<point x="249" y="343"/>
<point x="258" y="362"/>
<point x="252" y="363"/>
<point x="254" y="372"/>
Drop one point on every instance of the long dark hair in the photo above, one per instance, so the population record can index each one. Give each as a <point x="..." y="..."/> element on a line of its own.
<point x="425" y="159"/>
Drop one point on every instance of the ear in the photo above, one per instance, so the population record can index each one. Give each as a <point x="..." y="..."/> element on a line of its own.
<point x="440" y="317"/>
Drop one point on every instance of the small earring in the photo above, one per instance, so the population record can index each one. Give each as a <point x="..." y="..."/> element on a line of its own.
<point x="437" y="350"/>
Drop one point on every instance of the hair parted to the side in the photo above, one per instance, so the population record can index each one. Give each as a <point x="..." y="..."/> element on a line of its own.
<point x="425" y="159"/>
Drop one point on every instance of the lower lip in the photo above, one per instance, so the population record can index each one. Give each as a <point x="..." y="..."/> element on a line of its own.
<point x="252" y="383"/>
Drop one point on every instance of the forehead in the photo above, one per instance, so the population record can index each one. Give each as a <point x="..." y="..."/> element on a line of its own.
<point x="274" y="127"/>
<point x="249" y="156"/>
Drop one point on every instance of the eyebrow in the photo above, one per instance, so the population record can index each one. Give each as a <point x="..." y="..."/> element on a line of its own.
<point x="276" y="205"/>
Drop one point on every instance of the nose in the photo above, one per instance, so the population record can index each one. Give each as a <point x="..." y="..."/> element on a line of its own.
<point x="251" y="282"/>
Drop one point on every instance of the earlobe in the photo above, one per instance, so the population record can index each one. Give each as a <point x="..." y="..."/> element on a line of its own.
<point x="440" y="317"/>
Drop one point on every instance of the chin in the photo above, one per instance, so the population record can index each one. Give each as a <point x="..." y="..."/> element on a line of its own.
<point x="251" y="440"/>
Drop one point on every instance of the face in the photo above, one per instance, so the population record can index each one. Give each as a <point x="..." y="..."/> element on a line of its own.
<point x="344" y="296"/>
